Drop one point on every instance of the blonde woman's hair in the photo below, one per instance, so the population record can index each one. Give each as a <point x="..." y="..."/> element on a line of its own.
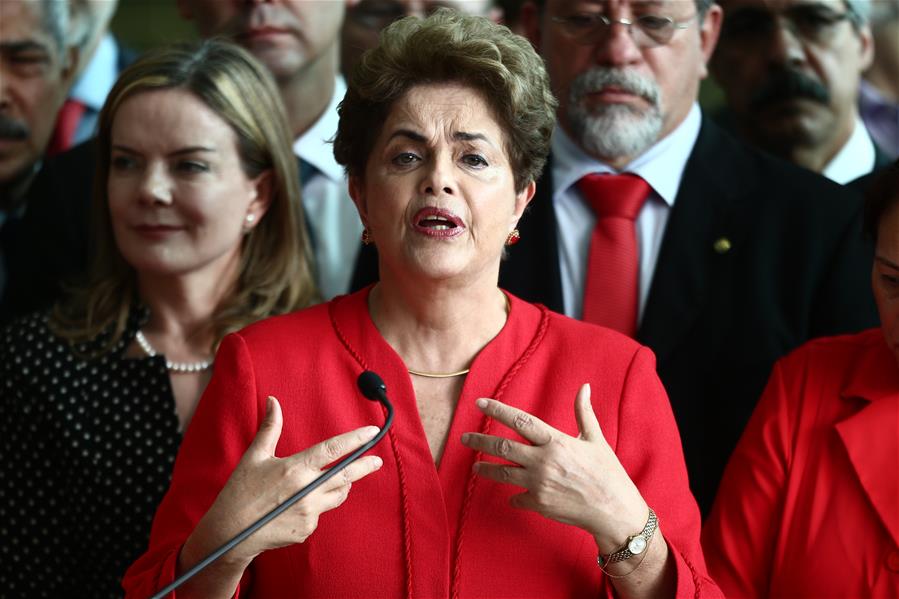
<point x="451" y="47"/>
<point x="274" y="274"/>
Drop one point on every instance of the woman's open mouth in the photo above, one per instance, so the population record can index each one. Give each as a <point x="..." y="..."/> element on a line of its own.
<point x="435" y="222"/>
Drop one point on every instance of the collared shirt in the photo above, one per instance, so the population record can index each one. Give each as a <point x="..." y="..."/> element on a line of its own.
<point x="94" y="85"/>
<point x="881" y="117"/>
<point x="855" y="158"/>
<point x="330" y="213"/>
<point x="662" y="166"/>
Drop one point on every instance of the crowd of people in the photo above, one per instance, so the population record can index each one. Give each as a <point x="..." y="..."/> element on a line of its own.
<point x="636" y="347"/>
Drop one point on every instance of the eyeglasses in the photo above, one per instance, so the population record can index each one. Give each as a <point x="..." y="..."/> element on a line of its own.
<point x="813" y="23"/>
<point x="647" y="31"/>
<point x="378" y="14"/>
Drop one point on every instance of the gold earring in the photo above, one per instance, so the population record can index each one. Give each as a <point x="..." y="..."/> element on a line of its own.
<point x="366" y="237"/>
<point x="514" y="237"/>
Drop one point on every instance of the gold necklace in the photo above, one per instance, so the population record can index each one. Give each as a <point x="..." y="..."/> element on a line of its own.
<point x="449" y="375"/>
<point x="438" y="375"/>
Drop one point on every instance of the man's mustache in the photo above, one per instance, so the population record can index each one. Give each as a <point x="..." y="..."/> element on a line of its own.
<point x="787" y="84"/>
<point x="599" y="78"/>
<point x="13" y="129"/>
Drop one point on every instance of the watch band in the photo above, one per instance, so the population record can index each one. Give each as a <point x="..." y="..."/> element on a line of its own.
<point x="635" y="544"/>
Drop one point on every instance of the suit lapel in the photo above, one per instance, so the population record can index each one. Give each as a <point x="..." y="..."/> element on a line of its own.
<point x="871" y="435"/>
<point x="532" y="270"/>
<point x="688" y="260"/>
<point x="881" y="159"/>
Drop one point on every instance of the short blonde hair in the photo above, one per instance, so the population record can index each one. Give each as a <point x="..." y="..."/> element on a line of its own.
<point x="274" y="274"/>
<point x="451" y="47"/>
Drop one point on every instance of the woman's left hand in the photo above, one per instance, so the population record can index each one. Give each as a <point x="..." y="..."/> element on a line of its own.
<point x="574" y="480"/>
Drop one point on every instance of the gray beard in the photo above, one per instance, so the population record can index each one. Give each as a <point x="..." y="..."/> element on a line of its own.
<point x="614" y="131"/>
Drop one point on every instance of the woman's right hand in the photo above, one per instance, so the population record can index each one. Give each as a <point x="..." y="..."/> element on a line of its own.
<point x="261" y="482"/>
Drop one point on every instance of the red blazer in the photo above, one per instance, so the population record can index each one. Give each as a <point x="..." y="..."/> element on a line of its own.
<point x="809" y="504"/>
<point x="413" y="529"/>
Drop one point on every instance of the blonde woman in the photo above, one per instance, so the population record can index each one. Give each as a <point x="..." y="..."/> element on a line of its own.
<point x="198" y="232"/>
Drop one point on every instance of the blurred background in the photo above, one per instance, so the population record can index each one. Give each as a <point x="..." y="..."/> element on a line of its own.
<point x="142" y="24"/>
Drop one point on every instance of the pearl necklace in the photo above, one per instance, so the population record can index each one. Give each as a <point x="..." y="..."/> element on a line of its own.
<point x="177" y="367"/>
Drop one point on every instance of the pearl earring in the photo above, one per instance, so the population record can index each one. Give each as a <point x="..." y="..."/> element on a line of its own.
<point x="251" y="218"/>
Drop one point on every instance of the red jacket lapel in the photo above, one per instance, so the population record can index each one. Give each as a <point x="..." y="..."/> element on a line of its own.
<point x="871" y="435"/>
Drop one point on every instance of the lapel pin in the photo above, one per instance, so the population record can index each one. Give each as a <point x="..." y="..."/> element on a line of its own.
<point x="722" y="245"/>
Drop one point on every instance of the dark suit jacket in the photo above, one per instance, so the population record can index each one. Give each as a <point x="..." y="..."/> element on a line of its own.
<point x="53" y="242"/>
<point x="717" y="320"/>
<point x="881" y="161"/>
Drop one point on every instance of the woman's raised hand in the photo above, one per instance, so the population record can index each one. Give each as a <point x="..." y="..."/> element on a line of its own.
<point x="259" y="483"/>
<point x="574" y="480"/>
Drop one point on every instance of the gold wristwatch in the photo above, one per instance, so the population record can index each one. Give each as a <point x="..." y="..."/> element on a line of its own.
<point x="635" y="544"/>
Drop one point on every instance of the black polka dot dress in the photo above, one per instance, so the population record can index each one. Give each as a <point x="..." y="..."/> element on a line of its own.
<point x="86" y="453"/>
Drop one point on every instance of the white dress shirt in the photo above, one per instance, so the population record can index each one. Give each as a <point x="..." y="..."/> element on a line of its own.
<point x="855" y="158"/>
<point x="330" y="213"/>
<point x="662" y="166"/>
<point x="93" y="85"/>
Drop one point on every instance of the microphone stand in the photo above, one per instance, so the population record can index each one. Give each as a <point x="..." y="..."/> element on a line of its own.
<point x="373" y="388"/>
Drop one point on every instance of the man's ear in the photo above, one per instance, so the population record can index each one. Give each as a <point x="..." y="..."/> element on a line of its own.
<point x="709" y="31"/>
<point x="866" y="39"/>
<point x="70" y="66"/>
<point x="529" y="17"/>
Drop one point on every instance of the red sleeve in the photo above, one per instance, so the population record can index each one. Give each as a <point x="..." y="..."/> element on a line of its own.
<point x="222" y="428"/>
<point x="649" y="447"/>
<point x="740" y="532"/>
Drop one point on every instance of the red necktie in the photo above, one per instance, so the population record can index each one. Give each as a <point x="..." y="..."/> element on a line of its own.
<point x="66" y="124"/>
<point x="612" y="282"/>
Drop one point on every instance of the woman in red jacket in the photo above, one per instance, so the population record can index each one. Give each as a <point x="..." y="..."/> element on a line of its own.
<point x="443" y="131"/>
<point x="809" y="504"/>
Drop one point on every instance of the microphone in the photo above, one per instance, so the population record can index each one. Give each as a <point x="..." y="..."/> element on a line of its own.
<point x="374" y="389"/>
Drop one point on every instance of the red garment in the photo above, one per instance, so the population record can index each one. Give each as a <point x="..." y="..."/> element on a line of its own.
<point x="809" y="503"/>
<point x="611" y="289"/>
<point x="66" y="124"/>
<point x="413" y="530"/>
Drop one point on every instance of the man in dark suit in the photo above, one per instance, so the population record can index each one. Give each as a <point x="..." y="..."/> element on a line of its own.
<point x="37" y="63"/>
<point x="739" y="257"/>
<point x="791" y="72"/>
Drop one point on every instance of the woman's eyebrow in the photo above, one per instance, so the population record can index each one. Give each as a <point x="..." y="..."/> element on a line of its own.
<point x="407" y="133"/>
<point x="191" y="150"/>
<point x="178" y="152"/>
<point x="465" y="136"/>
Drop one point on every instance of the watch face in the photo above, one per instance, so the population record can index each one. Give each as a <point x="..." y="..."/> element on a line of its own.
<point x="636" y="545"/>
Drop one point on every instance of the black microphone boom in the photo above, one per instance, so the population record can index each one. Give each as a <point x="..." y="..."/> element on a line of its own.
<point x="373" y="388"/>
